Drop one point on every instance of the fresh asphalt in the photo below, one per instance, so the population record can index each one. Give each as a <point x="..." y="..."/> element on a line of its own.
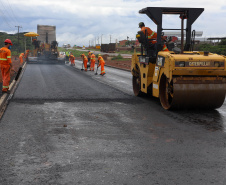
<point x="65" y="126"/>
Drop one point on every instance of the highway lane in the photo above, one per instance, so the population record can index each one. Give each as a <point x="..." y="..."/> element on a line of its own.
<point x="122" y="80"/>
<point x="67" y="126"/>
<point x="116" y="78"/>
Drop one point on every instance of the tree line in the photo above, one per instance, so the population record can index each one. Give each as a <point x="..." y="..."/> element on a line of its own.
<point x="18" y="47"/>
<point x="219" y="48"/>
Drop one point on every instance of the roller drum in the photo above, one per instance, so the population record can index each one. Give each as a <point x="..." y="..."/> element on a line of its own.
<point x="194" y="93"/>
<point x="205" y="96"/>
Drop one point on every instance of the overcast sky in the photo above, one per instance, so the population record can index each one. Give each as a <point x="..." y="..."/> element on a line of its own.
<point x="78" y="22"/>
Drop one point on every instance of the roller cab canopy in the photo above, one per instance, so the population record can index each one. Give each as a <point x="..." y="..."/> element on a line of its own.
<point x="155" y="14"/>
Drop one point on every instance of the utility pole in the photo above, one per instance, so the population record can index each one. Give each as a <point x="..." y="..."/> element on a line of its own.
<point x="101" y="38"/>
<point x="18" y="37"/>
<point x="110" y="38"/>
<point x="24" y="44"/>
<point x="98" y="39"/>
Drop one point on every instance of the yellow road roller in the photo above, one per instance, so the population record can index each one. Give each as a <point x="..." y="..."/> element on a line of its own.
<point x="181" y="78"/>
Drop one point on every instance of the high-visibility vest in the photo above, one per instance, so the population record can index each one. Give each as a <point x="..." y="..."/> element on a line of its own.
<point x="93" y="57"/>
<point x="150" y="36"/>
<point x="5" y="56"/>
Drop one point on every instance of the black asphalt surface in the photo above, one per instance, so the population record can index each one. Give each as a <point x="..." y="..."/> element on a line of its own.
<point x="68" y="127"/>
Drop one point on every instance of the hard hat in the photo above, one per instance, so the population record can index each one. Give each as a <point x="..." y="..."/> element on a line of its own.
<point x="141" y="24"/>
<point x="99" y="55"/>
<point x="8" y="41"/>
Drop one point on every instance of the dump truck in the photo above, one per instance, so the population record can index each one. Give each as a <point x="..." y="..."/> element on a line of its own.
<point x="180" y="78"/>
<point x="46" y="46"/>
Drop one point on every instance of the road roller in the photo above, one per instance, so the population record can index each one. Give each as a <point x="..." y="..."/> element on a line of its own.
<point x="181" y="78"/>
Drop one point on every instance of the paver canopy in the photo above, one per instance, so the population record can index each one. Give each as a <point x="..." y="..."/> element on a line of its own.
<point x="31" y="34"/>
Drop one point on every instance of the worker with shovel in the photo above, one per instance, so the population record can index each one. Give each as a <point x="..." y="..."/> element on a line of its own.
<point x="6" y="65"/>
<point x="92" y="65"/>
<point x="101" y="63"/>
<point x="72" y="59"/>
<point x="85" y="60"/>
<point x="89" y="56"/>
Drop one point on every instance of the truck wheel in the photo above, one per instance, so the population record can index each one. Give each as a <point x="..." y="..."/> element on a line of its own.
<point x="165" y="92"/>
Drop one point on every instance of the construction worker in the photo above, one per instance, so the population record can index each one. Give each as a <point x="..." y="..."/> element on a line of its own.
<point x="26" y="54"/>
<point x="85" y="61"/>
<point x="6" y="65"/>
<point x="89" y="56"/>
<point x="21" y="58"/>
<point x="101" y="63"/>
<point x="67" y="56"/>
<point x="92" y="65"/>
<point x="72" y="59"/>
<point x="151" y="35"/>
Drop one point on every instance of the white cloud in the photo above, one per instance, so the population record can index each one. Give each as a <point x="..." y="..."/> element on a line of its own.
<point x="80" y="21"/>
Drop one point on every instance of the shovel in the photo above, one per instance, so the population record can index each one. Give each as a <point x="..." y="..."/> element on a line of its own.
<point x="14" y="71"/>
<point x="96" y="71"/>
<point x="17" y="73"/>
<point x="82" y="66"/>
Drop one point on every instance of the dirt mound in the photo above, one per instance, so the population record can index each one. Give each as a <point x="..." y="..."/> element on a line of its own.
<point x="126" y="64"/>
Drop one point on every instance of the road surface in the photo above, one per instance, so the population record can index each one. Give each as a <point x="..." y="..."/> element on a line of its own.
<point x="65" y="126"/>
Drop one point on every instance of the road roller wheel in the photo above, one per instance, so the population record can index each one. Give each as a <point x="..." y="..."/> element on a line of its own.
<point x="137" y="85"/>
<point x="165" y="92"/>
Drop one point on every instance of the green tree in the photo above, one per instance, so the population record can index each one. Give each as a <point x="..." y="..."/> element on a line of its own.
<point x="222" y="42"/>
<point x="16" y="46"/>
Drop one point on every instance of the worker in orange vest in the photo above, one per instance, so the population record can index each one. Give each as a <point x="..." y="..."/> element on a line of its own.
<point x="26" y="54"/>
<point x="85" y="61"/>
<point x="6" y="65"/>
<point x="89" y="56"/>
<point x="72" y="59"/>
<point x="151" y="35"/>
<point x="92" y="65"/>
<point x="101" y="63"/>
<point x="21" y="58"/>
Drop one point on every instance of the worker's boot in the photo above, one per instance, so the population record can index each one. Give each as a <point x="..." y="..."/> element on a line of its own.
<point x="6" y="92"/>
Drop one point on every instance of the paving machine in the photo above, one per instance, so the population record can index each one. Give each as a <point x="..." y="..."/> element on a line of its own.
<point x="180" y="78"/>
<point x="46" y="47"/>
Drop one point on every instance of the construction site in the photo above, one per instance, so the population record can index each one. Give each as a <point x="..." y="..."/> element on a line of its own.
<point x="137" y="112"/>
